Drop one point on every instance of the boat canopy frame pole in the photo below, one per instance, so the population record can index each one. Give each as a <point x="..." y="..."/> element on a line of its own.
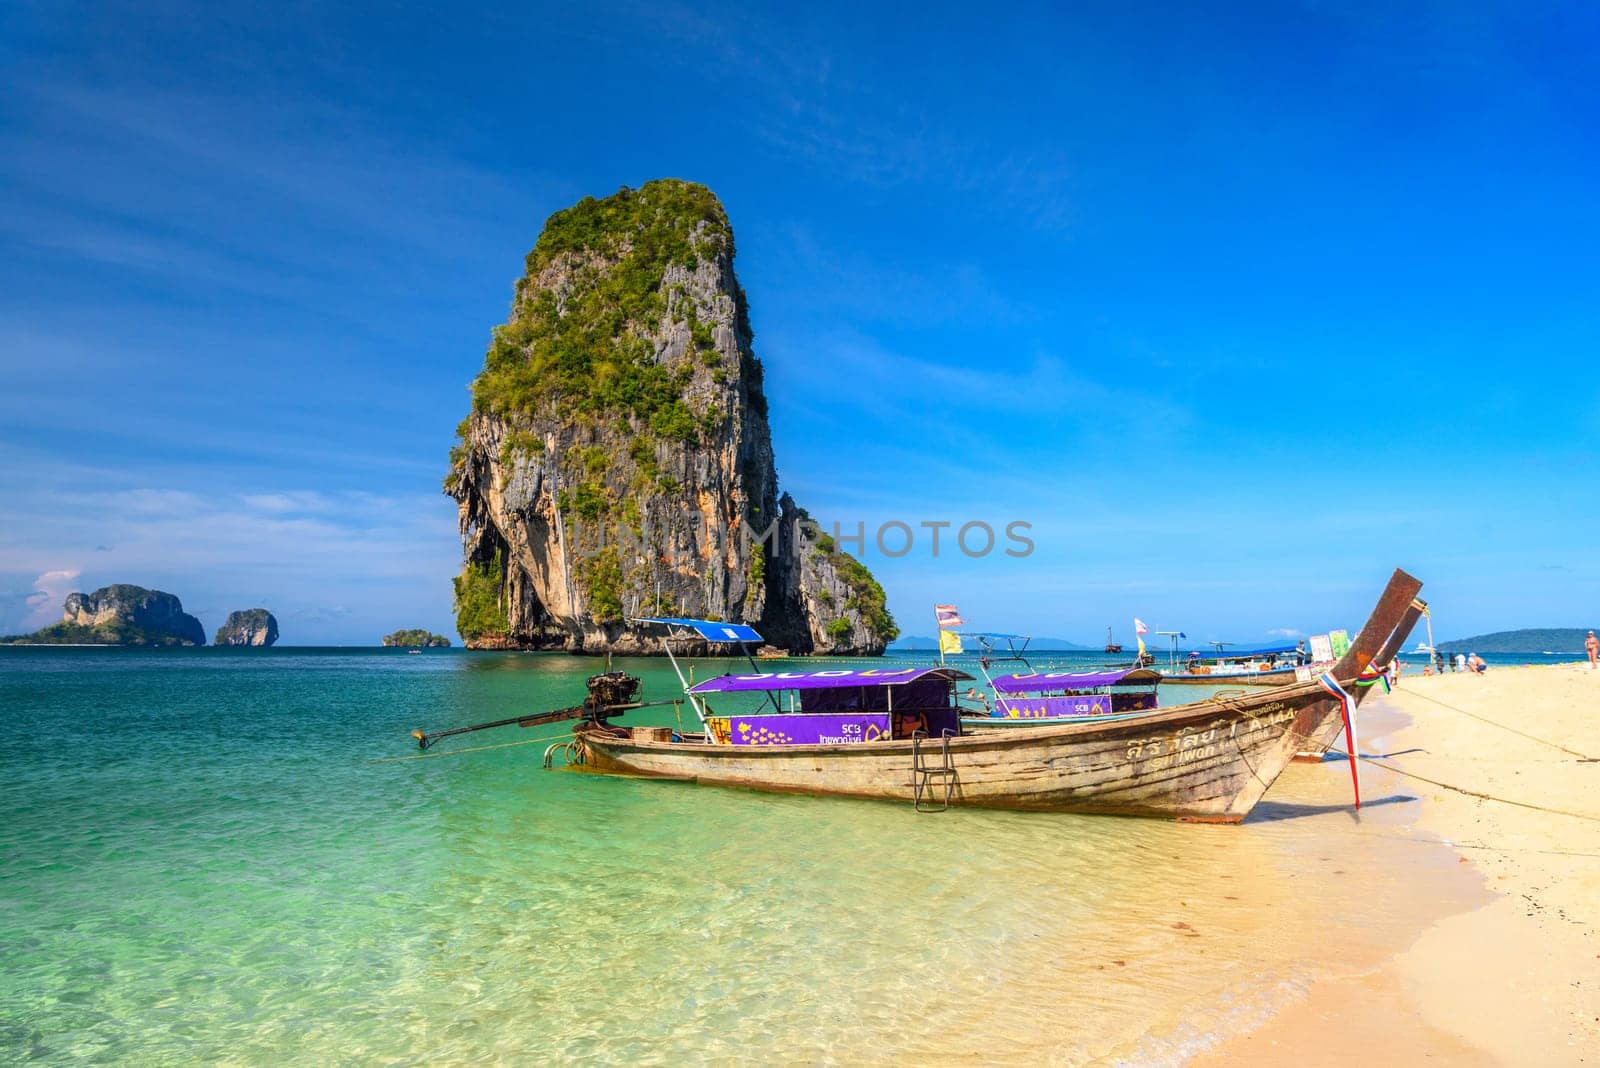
<point x="777" y="705"/>
<point x="1172" y="646"/>
<point x="694" y="701"/>
<point x="1019" y="655"/>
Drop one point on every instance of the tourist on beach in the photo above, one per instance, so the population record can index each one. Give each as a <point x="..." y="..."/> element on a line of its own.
<point x="1476" y="665"/>
<point x="1591" y="645"/>
<point x="1461" y="661"/>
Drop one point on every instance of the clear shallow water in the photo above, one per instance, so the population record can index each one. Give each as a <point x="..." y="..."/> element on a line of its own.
<point x="200" y="861"/>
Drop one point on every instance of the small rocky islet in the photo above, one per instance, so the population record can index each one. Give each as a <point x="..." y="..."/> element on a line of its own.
<point x="415" y="638"/>
<point x="253" y="626"/>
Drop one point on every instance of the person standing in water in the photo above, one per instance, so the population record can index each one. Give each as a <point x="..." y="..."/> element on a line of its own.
<point x="1591" y="645"/>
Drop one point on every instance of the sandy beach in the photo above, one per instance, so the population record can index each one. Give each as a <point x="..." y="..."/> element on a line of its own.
<point x="1517" y="980"/>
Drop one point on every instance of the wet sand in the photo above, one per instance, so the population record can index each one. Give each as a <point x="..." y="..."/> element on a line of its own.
<point x="1516" y="980"/>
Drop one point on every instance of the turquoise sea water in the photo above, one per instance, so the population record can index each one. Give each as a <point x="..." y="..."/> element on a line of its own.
<point x="201" y="861"/>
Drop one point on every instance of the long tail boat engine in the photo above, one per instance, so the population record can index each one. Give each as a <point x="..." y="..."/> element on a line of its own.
<point x="610" y="693"/>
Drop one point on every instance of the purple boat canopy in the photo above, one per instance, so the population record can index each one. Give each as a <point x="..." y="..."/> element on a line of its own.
<point x="1050" y="681"/>
<point x="826" y="680"/>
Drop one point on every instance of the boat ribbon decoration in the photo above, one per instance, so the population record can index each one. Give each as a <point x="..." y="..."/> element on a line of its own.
<point x="1347" y="709"/>
<point x="1372" y="675"/>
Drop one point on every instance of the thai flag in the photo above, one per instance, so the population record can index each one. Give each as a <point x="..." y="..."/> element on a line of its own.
<point x="1347" y="709"/>
<point x="948" y="616"/>
<point x="1139" y="627"/>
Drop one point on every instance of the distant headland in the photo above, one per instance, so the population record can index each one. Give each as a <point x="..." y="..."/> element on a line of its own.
<point x="1535" y="641"/>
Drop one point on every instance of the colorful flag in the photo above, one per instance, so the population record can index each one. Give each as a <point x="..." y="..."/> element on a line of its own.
<point x="1347" y="709"/>
<point x="948" y="616"/>
<point x="949" y="642"/>
<point x="1139" y="627"/>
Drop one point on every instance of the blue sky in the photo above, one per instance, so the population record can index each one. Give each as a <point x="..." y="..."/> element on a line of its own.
<point x="1239" y="308"/>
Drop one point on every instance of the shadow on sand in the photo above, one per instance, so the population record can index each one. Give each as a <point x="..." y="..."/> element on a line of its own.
<point x="1272" y="811"/>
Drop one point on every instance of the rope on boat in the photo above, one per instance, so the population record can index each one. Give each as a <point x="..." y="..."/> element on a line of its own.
<point x="461" y="752"/>
<point x="1469" y="793"/>
<point x="1502" y="726"/>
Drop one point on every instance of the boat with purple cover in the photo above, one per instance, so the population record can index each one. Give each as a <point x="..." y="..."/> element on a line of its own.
<point x="896" y="734"/>
<point x="1037" y="698"/>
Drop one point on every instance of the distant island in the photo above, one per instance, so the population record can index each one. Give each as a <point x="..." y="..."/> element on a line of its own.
<point x="253" y="626"/>
<point x="1535" y="641"/>
<point x="119" y="614"/>
<point x="416" y="639"/>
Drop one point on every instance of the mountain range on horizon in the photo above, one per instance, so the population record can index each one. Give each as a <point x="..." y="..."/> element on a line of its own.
<point x="1565" y="640"/>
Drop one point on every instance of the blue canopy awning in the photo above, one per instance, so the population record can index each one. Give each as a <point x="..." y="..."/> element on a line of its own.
<point x="710" y="630"/>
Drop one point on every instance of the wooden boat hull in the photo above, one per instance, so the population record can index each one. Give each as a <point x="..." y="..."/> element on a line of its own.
<point x="1209" y="761"/>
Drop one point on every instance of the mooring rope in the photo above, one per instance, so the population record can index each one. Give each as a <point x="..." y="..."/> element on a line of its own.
<point x="1502" y="726"/>
<point x="1469" y="793"/>
<point x="463" y="752"/>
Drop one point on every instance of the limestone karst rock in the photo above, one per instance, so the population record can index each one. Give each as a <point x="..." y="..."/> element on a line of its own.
<point x="617" y="461"/>
<point x="253" y="626"/>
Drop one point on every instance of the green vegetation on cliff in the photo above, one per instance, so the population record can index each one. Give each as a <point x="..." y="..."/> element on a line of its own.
<point x="478" y="607"/>
<point x="866" y="595"/>
<point x="594" y="353"/>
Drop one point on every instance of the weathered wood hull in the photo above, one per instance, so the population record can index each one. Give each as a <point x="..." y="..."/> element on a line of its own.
<point x="1210" y="760"/>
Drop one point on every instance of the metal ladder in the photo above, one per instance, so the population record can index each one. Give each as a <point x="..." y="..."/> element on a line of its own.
<point x="922" y="772"/>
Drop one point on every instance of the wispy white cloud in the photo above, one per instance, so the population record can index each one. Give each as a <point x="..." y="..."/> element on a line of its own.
<point x="51" y="589"/>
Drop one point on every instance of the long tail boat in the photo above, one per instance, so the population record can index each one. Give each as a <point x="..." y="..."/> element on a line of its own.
<point x="1272" y="665"/>
<point x="896" y="735"/>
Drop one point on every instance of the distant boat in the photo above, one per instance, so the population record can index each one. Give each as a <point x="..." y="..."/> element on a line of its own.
<point x="1422" y="647"/>
<point x="1111" y="646"/>
<point x="1269" y="665"/>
